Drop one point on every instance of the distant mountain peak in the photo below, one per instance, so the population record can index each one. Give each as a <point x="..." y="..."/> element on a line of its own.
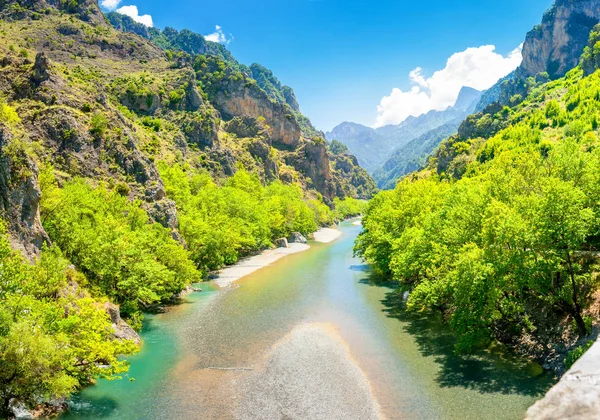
<point x="466" y="97"/>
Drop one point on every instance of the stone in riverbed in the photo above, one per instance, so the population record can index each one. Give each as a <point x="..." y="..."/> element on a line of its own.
<point x="281" y="243"/>
<point x="297" y="238"/>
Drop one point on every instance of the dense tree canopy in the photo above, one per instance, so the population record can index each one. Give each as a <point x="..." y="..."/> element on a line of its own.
<point x="53" y="335"/>
<point x="511" y="238"/>
<point x="222" y="223"/>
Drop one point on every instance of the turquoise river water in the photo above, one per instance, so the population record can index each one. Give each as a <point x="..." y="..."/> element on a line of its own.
<point x="311" y="337"/>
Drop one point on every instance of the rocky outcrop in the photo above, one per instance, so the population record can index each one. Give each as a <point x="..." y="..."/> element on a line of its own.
<point x="290" y="98"/>
<point x="122" y="330"/>
<point x="246" y="127"/>
<point x="312" y="160"/>
<point x="200" y="128"/>
<point x="241" y="98"/>
<point x="577" y="394"/>
<point x="20" y="196"/>
<point x="556" y="45"/>
<point x="281" y="243"/>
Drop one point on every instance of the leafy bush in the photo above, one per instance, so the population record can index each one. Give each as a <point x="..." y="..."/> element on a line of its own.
<point x="348" y="207"/>
<point x="8" y="115"/>
<point x="98" y="125"/>
<point x="576" y="353"/>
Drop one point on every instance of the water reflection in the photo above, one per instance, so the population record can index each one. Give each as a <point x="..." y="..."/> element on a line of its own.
<point x="491" y="371"/>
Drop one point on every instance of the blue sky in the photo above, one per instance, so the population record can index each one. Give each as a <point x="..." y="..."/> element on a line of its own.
<point x="342" y="57"/>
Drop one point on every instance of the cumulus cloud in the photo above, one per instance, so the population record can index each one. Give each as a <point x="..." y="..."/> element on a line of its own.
<point x="133" y="13"/>
<point x="218" y="36"/>
<point x="478" y="68"/>
<point x="110" y="4"/>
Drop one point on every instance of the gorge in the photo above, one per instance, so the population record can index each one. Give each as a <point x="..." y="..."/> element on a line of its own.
<point x="178" y="240"/>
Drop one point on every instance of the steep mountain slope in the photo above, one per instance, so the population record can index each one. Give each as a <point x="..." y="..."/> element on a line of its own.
<point x="194" y="103"/>
<point x="550" y="50"/>
<point x="132" y="164"/>
<point x="373" y="147"/>
<point x="413" y="156"/>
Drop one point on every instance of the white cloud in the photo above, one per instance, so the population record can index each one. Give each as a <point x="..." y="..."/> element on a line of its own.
<point x="478" y="68"/>
<point x="110" y="4"/>
<point x="133" y="13"/>
<point x="218" y="36"/>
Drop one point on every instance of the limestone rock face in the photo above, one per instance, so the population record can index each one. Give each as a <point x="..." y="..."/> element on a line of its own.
<point x="245" y="127"/>
<point x="250" y="101"/>
<point x="556" y="45"/>
<point x="312" y="160"/>
<point x="20" y="198"/>
<point x="290" y="98"/>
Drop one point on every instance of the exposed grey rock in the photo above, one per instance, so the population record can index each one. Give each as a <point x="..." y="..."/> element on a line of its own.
<point x="556" y="45"/>
<point x="122" y="330"/>
<point x="165" y="213"/>
<point x="19" y="410"/>
<point x="281" y="243"/>
<point x="297" y="238"/>
<point x="244" y="127"/>
<point x="312" y="160"/>
<point x="20" y="198"/>
<point x="200" y="128"/>
<point x="239" y="98"/>
<point x="41" y="68"/>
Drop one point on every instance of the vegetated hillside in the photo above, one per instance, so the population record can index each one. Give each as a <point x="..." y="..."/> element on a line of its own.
<point x="500" y="233"/>
<point x="373" y="147"/>
<point x="549" y="51"/>
<point x="131" y="165"/>
<point x="413" y="156"/>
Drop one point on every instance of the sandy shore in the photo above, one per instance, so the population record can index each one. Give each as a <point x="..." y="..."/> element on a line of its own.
<point x="326" y="235"/>
<point x="249" y="265"/>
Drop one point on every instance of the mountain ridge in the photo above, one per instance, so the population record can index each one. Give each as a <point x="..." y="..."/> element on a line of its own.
<point x="374" y="147"/>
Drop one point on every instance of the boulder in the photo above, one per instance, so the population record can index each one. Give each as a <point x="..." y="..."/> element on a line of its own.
<point x="297" y="238"/>
<point x="19" y="410"/>
<point x="122" y="330"/>
<point x="281" y="243"/>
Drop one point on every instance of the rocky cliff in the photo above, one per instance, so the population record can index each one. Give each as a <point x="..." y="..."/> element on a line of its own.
<point x="555" y="46"/>
<point x="107" y="105"/>
<point x="550" y="50"/>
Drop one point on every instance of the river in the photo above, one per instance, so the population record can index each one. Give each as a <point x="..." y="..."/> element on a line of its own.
<point x="311" y="337"/>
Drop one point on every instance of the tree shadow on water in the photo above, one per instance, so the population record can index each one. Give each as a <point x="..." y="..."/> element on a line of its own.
<point x="490" y="371"/>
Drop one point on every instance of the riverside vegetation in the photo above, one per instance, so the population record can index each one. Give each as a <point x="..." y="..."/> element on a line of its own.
<point x="131" y="165"/>
<point x="499" y="233"/>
